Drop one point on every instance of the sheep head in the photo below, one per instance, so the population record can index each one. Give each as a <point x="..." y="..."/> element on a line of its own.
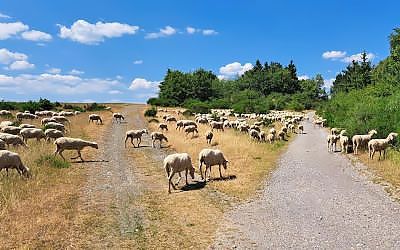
<point x="373" y="132"/>
<point x="392" y="136"/>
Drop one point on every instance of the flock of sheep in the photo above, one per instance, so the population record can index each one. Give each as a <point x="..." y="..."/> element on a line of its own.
<point x="357" y="141"/>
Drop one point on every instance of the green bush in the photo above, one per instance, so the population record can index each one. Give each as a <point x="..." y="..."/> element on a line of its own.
<point x="151" y="112"/>
<point x="196" y="106"/>
<point x="94" y="107"/>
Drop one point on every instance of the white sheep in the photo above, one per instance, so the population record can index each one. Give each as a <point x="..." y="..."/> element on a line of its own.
<point x="191" y="129"/>
<point x="67" y="143"/>
<point x="344" y="142"/>
<point x="211" y="157"/>
<point x="11" y="130"/>
<point x="380" y="145"/>
<point x="359" y="140"/>
<point x="11" y="160"/>
<point x="170" y="119"/>
<point x="157" y="136"/>
<point x="272" y="131"/>
<point x="332" y="141"/>
<point x="209" y="136"/>
<point x="262" y="136"/>
<point x="135" y="134"/>
<point x="95" y="117"/>
<point x="254" y="134"/>
<point x="300" y="129"/>
<point x="53" y="134"/>
<point x="55" y="125"/>
<point x="32" y="133"/>
<point x="118" y="117"/>
<point x="6" y="123"/>
<point x="217" y="125"/>
<point x="24" y="125"/>
<point x="12" y="140"/>
<point x="281" y="134"/>
<point x="271" y="138"/>
<point x="46" y="120"/>
<point x="163" y="126"/>
<point x="176" y="163"/>
<point x="61" y="119"/>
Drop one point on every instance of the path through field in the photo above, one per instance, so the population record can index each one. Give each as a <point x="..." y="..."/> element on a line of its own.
<point x="314" y="199"/>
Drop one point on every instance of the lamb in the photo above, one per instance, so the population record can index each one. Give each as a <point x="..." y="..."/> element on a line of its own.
<point x="135" y="134"/>
<point x="55" y="125"/>
<point x="29" y="133"/>
<point x="380" y="145"/>
<point x="12" y="140"/>
<point x="118" y="117"/>
<point x="332" y="140"/>
<point x="67" y="143"/>
<point x="157" y="136"/>
<point x="11" y="130"/>
<point x="95" y="117"/>
<point x="262" y="136"/>
<point x="254" y="134"/>
<point x="191" y="129"/>
<point x="12" y="160"/>
<point x="217" y="125"/>
<point x="2" y="145"/>
<point x="24" y="125"/>
<point x="163" y="126"/>
<point x="271" y="138"/>
<point x="53" y="134"/>
<point x="300" y="129"/>
<point x="344" y="142"/>
<point x="211" y="157"/>
<point x="176" y="163"/>
<point x="209" y="136"/>
<point x="359" y="140"/>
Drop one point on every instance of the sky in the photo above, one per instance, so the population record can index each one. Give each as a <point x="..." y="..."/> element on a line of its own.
<point x="119" y="51"/>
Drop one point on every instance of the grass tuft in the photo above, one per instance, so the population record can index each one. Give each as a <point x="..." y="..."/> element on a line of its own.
<point x="52" y="161"/>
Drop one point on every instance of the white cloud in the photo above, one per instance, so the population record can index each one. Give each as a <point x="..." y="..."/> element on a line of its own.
<point x="8" y="30"/>
<point x="209" y="32"/>
<point x="114" y="92"/>
<point x="234" y="69"/>
<point x="54" y="71"/>
<point x="20" y="65"/>
<point x="140" y="83"/>
<point x="334" y="54"/>
<point x="358" y="57"/>
<point x="37" y="36"/>
<point x="190" y="30"/>
<point x="76" y="72"/>
<point x="91" y="34"/>
<point x="304" y="77"/>
<point x="167" y="31"/>
<point x="7" y="57"/>
<point x="138" y="62"/>
<point x="4" y="16"/>
<point x="328" y="83"/>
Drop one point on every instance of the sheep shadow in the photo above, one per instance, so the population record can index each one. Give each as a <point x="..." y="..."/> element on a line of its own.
<point x="88" y="161"/>
<point x="194" y="186"/>
<point x="224" y="178"/>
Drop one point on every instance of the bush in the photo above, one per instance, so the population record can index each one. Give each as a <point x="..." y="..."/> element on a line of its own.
<point x="73" y="107"/>
<point x="151" y="112"/>
<point x="196" y="106"/>
<point x="187" y="113"/>
<point x="94" y="107"/>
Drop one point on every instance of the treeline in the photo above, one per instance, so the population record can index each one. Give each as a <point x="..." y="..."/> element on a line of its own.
<point x="366" y="97"/>
<point x="264" y="87"/>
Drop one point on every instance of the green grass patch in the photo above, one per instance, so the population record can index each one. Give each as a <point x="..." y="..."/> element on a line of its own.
<point x="52" y="161"/>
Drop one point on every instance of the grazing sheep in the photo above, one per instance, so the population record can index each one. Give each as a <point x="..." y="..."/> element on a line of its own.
<point x="135" y="134"/>
<point x="11" y="130"/>
<point x="170" y="119"/>
<point x="332" y="140"/>
<point x="14" y="140"/>
<point x="66" y="113"/>
<point x="271" y="138"/>
<point x="67" y="143"/>
<point x="359" y="140"/>
<point x="5" y="113"/>
<point x="191" y="129"/>
<point x="12" y="160"/>
<point x="53" y="134"/>
<point x="344" y="142"/>
<point x="211" y="157"/>
<point x="176" y="163"/>
<point x="209" y="136"/>
<point x="157" y="136"/>
<point x="24" y="125"/>
<point x="262" y="136"/>
<point x="31" y="133"/>
<point x="163" y="126"/>
<point x="202" y="120"/>
<point x="243" y="128"/>
<point x="380" y="145"/>
<point x="254" y="134"/>
<point x="189" y="123"/>
<point x="61" y="119"/>
<point x="95" y="117"/>
<point x="300" y="129"/>
<point x="21" y="116"/>
<point x="2" y="145"/>
<point x="44" y="121"/>
<point x="55" y="125"/>
<point x="217" y="125"/>
<point x="5" y="124"/>
<point x="118" y="117"/>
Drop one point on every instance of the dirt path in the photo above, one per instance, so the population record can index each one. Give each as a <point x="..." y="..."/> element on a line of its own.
<point x="314" y="199"/>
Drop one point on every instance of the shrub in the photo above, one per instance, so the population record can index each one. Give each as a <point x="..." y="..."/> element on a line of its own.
<point x="187" y="113"/>
<point x="196" y="106"/>
<point x="94" y="107"/>
<point x="151" y="112"/>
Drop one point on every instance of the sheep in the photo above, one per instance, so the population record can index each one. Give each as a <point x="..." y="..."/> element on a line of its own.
<point x="258" y="124"/>
<point x="157" y="136"/>
<point x="334" y="131"/>
<point x="380" y="145"/>
<point x="281" y="134"/>
<point x="254" y="127"/>
<point x="77" y="112"/>
<point x="189" y="123"/>
<point x="211" y="157"/>
<point x="21" y="116"/>
<point x="29" y="133"/>
<point x="191" y="129"/>
<point x="61" y="119"/>
<point x="95" y="117"/>
<point x="272" y="131"/>
<point x="359" y="140"/>
<point x="202" y="120"/>
<point x="24" y="125"/>
<point x="176" y="163"/>
<point x="344" y="142"/>
<point x="163" y="126"/>
<point x="5" y="113"/>
<point x="243" y="128"/>
<point x="135" y="134"/>
<point x="254" y="134"/>
<point x="271" y="138"/>
<point x="2" y="145"/>
<point x="12" y="160"/>
<point x="331" y="141"/>
<point x="170" y="119"/>
<point x="209" y="136"/>
<point x="217" y="125"/>
<point x="44" y="121"/>
<point x="55" y="125"/>
<point x="67" y="143"/>
<point x="262" y="136"/>
<point x="5" y="124"/>
<point x="118" y="117"/>
<point x="11" y="130"/>
<point x="66" y="113"/>
<point x="291" y="128"/>
<point x="12" y="140"/>
<point x="300" y="129"/>
<point x="53" y="134"/>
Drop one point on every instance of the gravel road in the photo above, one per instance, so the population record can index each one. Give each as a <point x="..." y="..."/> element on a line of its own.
<point x="314" y="199"/>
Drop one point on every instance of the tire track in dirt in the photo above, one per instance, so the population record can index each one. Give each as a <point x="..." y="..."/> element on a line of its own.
<point x="314" y="199"/>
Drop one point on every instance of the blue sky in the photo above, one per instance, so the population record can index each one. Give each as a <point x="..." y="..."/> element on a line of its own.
<point x="118" y="51"/>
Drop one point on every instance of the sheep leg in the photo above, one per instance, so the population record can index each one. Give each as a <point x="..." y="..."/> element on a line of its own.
<point x="220" y="174"/>
<point x="60" y="153"/>
<point x="170" y="182"/>
<point x="125" y="141"/>
<point x="132" y="142"/>
<point x="201" y="172"/>
<point x="179" y="179"/>
<point x="140" y="141"/>
<point x="186" y="174"/>
<point x="152" y="143"/>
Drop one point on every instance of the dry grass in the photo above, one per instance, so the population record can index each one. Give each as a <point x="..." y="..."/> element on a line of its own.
<point x="40" y="212"/>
